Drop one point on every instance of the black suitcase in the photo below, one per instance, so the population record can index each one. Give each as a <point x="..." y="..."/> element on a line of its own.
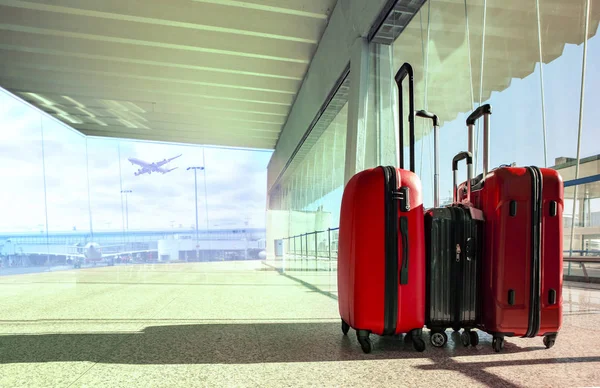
<point x="453" y="241"/>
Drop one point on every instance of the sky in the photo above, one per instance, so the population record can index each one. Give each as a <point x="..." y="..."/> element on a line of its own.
<point x="235" y="180"/>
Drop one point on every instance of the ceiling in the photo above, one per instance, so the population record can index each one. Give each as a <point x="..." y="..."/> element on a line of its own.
<point x="220" y="72"/>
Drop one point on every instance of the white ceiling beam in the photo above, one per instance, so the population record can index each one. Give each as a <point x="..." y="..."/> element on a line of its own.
<point x="41" y="62"/>
<point x="169" y="137"/>
<point x="141" y="34"/>
<point x="194" y="117"/>
<point x="168" y="105"/>
<point x="59" y="83"/>
<point x="141" y="55"/>
<point x="199" y="133"/>
<point x="319" y="9"/>
<point x="192" y="16"/>
<point x="204" y="125"/>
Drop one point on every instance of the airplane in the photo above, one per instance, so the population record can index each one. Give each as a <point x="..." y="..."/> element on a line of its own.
<point x="92" y="253"/>
<point x="149" y="168"/>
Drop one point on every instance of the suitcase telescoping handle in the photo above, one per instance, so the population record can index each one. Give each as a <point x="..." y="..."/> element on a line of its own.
<point x="406" y="70"/>
<point x="463" y="155"/>
<point x="485" y="111"/>
<point x="436" y="155"/>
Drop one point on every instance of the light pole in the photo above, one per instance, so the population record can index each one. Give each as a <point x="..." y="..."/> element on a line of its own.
<point x="196" y="168"/>
<point x="126" y="192"/>
<point x="206" y="200"/>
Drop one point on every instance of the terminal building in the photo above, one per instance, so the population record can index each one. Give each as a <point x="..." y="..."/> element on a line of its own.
<point x="145" y="246"/>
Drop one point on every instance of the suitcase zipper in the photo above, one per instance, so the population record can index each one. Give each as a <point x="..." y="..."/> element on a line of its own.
<point x="536" y="219"/>
<point x="391" y="252"/>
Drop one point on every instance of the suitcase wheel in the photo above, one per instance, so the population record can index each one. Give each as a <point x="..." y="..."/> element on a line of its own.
<point x="498" y="344"/>
<point x="345" y="327"/>
<point x="474" y="337"/>
<point x="418" y="343"/>
<point x="364" y="341"/>
<point x="438" y="338"/>
<point x="549" y="340"/>
<point x="465" y="338"/>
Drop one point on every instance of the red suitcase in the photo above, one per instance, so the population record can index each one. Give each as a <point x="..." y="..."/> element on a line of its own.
<point x="381" y="253"/>
<point x="523" y="265"/>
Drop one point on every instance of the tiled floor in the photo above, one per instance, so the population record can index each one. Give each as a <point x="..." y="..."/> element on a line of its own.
<point x="245" y="324"/>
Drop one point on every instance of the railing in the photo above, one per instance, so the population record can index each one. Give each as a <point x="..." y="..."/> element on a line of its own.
<point x="318" y="251"/>
<point x="593" y="261"/>
<point x="313" y="249"/>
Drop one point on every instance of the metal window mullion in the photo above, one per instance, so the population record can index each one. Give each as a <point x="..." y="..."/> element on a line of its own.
<point x="539" y="31"/>
<point x="580" y="125"/>
<point x="481" y="80"/>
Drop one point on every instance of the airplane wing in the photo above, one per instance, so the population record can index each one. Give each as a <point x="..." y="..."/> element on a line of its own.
<point x="139" y="162"/>
<point x="164" y="170"/>
<point x="174" y="157"/>
<point x="112" y="255"/>
<point x="165" y="161"/>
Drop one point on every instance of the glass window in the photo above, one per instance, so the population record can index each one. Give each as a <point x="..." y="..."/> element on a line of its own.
<point x="310" y="192"/>
<point x="21" y="169"/>
<point x="104" y="171"/>
<point x="590" y="137"/>
<point x="436" y="44"/>
<point x="462" y="60"/>
<point x="381" y="139"/>
<point x="66" y="178"/>
<point x="562" y="76"/>
<point x="108" y="199"/>
<point x="23" y="212"/>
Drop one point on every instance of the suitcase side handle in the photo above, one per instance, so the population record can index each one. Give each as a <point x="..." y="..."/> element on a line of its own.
<point x="436" y="155"/>
<point x="485" y="111"/>
<point x="405" y="252"/>
<point x="406" y="70"/>
<point x="459" y="157"/>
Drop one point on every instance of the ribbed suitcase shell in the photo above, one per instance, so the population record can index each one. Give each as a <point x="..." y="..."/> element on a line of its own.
<point x="453" y="269"/>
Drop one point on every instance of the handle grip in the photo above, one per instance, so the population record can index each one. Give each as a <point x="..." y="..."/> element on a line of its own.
<point x="428" y="115"/>
<point x="462" y="156"/>
<point x="405" y="71"/>
<point x="485" y="109"/>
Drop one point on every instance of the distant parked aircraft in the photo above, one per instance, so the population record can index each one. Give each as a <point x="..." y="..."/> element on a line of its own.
<point x="91" y="253"/>
<point x="149" y="168"/>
